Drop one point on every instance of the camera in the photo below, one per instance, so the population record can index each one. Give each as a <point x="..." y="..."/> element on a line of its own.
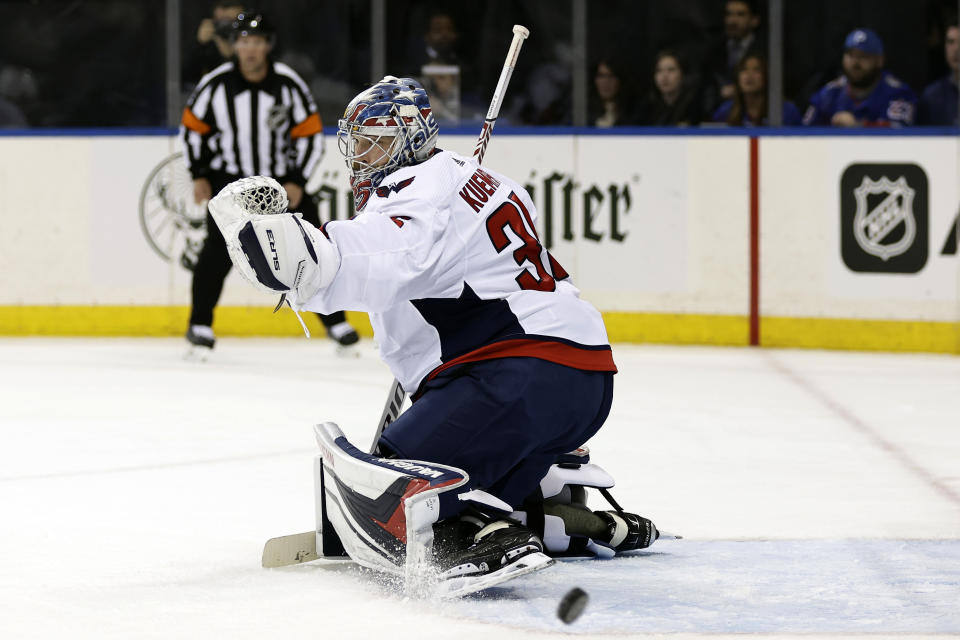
<point x="223" y="29"/>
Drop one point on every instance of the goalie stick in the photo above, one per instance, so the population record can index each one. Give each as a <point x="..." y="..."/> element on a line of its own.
<point x="397" y="395"/>
<point x="298" y="548"/>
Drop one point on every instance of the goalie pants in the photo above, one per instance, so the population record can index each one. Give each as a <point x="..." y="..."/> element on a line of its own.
<point x="503" y="421"/>
<point x="213" y="262"/>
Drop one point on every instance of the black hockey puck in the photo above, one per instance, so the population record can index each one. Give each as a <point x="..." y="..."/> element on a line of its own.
<point x="572" y="605"/>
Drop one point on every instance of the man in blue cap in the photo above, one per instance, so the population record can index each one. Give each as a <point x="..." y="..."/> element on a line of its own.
<point x="865" y="95"/>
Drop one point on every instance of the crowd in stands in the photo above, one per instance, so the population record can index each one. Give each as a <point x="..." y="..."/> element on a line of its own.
<point x="846" y="63"/>
<point x="729" y="85"/>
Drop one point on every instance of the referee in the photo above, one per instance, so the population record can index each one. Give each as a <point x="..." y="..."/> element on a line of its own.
<point x="249" y="116"/>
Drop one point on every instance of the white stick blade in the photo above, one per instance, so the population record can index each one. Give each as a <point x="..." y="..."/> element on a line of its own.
<point x="292" y="549"/>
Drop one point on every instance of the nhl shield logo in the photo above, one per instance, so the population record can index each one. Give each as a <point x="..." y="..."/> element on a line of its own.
<point x="278" y="117"/>
<point x="872" y="227"/>
<point x="884" y="218"/>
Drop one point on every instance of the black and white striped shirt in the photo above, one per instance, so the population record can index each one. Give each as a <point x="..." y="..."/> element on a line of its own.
<point x="242" y="129"/>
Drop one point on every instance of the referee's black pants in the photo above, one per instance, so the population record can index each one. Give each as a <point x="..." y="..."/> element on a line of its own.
<point x="213" y="263"/>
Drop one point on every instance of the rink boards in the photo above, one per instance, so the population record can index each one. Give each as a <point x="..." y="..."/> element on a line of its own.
<point x="823" y="241"/>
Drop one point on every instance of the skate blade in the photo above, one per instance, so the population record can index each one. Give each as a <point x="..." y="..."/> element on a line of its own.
<point x="457" y="587"/>
<point x="349" y="351"/>
<point x="197" y="353"/>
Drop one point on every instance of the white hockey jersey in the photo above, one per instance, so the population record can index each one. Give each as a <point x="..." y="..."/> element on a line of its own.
<point x="446" y="260"/>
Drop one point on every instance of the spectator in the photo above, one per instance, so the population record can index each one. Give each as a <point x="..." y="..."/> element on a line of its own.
<point x="442" y="84"/>
<point x="748" y="107"/>
<point x="865" y="95"/>
<point x="439" y="43"/>
<point x="611" y="103"/>
<point x="11" y="116"/>
<point x="938" y="105"/>
<point x="451" y="104"/>
<point x="447" y="76"/>
<point x="547" y="95"/>
<point x="441" y="38"/>
<point x="675" y="98"/>
<point x="17" y="85"/>
<point x="741" y="22"/>
<point x="213" y="45"/>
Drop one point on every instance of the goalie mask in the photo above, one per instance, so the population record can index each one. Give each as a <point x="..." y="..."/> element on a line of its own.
<point x="388" y="126"/>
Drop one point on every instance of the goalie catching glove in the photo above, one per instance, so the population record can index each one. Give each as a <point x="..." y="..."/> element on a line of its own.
<point x="272" y="248"/>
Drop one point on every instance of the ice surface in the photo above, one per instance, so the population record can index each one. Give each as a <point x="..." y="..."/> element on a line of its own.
<point x="819" y="493"/>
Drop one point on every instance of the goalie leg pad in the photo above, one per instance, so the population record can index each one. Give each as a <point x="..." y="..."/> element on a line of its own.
<point x="559" y="513"/>
<point x="382" y="510"/>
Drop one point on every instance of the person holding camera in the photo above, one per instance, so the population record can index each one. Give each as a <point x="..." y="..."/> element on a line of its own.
<point x="214" y="43"/>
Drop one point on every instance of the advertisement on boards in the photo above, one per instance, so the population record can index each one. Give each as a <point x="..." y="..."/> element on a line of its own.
<point x="613" y="217"/>
<point x="893" y="224"/>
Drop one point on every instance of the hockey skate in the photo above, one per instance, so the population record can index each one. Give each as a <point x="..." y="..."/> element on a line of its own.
<point x="472" y="554"/>
<point x="627" y="531"/>
<point x="346" y="338"/>
<point x="559" y="514"/>
<point x="201" y="341"/>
